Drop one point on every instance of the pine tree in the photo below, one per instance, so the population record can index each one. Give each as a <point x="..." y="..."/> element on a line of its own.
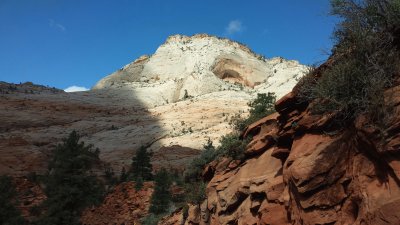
<point x="8" y="213"/>
<point x="196" y="166"/>
<point x="263" y="105"/>
<point x="138" y="183"/>
<point x="123" y="177"/>
<point x="161" y="197"/>
<point x="141" y="166"/>
<point x="260" y="107"/>
<point x="70" y="187"/>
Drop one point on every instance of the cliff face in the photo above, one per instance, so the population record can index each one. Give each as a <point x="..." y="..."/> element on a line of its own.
<point x="172" y="101"/>
<point x="301" y="171"/>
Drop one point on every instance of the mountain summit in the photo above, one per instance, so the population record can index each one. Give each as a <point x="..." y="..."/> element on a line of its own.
<point x="199" y="65"/>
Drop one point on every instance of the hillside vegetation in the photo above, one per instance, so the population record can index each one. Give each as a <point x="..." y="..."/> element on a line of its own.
<point x="364" y="61"/>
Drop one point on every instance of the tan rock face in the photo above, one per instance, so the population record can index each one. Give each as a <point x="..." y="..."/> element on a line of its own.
<point x="172" y="101"/>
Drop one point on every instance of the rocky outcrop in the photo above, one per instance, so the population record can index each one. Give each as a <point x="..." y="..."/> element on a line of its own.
<point x="174" y="218"/>
<point x="302" y="169"/>
<point x="30" y="196"/>
<point x="172" y="101"/>
<point x="124" y="205"/>
<point x="342" y="176"/>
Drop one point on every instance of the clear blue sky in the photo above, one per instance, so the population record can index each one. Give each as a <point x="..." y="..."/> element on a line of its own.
<point x="77" y="42"/>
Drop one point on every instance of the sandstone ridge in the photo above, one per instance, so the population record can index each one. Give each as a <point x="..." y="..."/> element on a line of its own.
<point x="171" y="101"/>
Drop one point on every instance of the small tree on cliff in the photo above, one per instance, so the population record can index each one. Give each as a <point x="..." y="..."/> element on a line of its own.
<point x="123" y="176"/>
<point x="260" y="107"/>
<point x="196" y="166"/>
<point x="161" y="197"/>
<point x="141" y="166"/>
<point x="70" y="187"/>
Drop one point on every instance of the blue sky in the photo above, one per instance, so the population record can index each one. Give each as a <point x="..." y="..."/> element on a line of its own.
<point x="62" y="43"/>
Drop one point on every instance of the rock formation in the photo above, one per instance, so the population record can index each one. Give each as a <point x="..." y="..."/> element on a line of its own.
<point x="124" y="205"/>
<point x="30" y="196"/>
<point x="172" y="101"/>
<point x="302" y="170"/>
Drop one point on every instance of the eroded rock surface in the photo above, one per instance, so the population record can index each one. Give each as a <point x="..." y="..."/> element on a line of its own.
<point x="30" y="196"/>
<point x="301" y="169"/>
<point x="124" y="205"/>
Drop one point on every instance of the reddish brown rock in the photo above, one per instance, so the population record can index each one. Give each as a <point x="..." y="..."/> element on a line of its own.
<point x="280" y="153"/>
<point x="29" y="196"/>
<point x="314" y="122"/>
<point x="286" y="103"/>
<point x="255" y="128"/>
<point x="194" y="215"/>
<point x="265" y="131"/>
<point x="172" y="219"/>
<point x="237" y="195"/>
<point x="329" y="175"/>
<point x="124" y="205"/>
<point x="209" y="171"/>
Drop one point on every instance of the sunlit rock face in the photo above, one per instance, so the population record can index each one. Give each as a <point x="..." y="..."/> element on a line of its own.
<point x="171" y="101"/>
<point x="298" y="169"/>
<point x="200" y="65"/>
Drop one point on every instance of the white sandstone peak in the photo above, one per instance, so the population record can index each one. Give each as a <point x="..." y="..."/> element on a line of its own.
<point x="202" y="64"/>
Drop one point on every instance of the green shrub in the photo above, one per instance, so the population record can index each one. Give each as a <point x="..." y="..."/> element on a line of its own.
<point x="141" y="166"/>
<point x="109" y="175"/>
<point x="161" y="197"/>
<point x="185" y="212"/>
<point x="232" y="146"/>
<point x="70" y="186"/>
<point x="9" y="214"/>
<point x="177" y="177"/>
<point x="195" y="168"/>
<point x="260" y="107"/>
<point x="151" y="219"/>
<point x="365" y="58"/>
<point x="123" y="176"/>
<point x="139" y="183"/>
<point x="195" y="192"/>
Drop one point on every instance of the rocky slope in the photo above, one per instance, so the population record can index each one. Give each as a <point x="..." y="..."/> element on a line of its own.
<point x="172" y="101"/>
<point x="299" y="170"/>
<point x="30" y="196"/>
<point x="124" y="205"/>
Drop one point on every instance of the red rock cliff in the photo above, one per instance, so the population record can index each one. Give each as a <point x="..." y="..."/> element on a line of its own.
<point x="298" y="171"/>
